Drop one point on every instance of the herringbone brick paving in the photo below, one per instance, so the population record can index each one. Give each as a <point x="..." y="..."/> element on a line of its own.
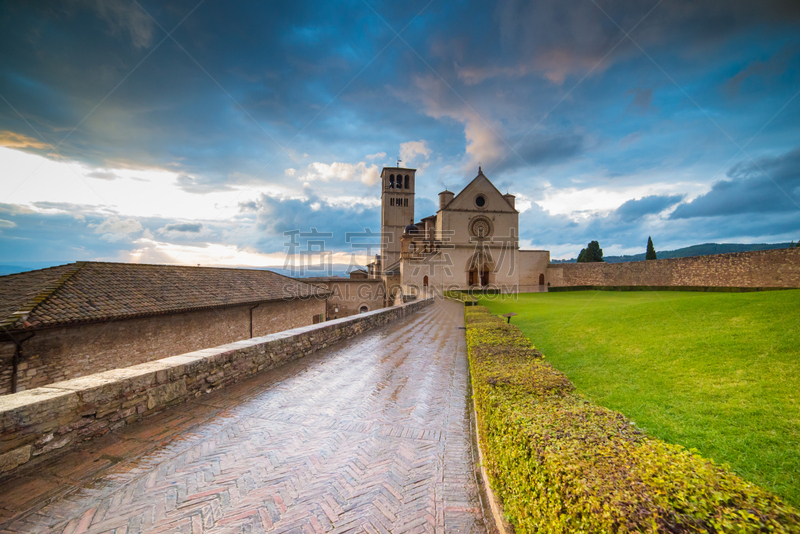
<point x="371" y="435"/>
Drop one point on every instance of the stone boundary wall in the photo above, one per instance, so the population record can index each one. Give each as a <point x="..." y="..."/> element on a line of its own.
<point x="778" y="268"/>
<point x="38" y="423"/>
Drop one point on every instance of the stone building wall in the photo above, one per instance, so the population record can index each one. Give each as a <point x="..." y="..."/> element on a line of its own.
<point x="39" y="423"/>
<point x="348" y="297"/>
<point x="57" y="354"/>
<point x="764" y="268"/>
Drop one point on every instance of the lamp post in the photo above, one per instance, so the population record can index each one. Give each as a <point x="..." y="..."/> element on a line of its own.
<point x="508" y="316"/>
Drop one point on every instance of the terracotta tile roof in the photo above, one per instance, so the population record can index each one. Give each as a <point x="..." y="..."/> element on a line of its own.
<point x="96" y="291"/>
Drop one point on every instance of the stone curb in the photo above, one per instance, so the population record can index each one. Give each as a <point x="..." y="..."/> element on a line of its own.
<point x="495" y="505"/>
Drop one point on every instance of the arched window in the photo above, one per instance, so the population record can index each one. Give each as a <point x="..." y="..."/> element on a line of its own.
<point x="363" y="309"/>
<point x="406" y="181"/>
<point x="405" y="202"/>
<point x="391" y="181"/>
<point x="425" y="281"/>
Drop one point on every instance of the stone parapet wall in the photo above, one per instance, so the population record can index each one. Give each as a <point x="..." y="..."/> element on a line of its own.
<point x="40" y="422"/>
<point x="71" y="351"/>
<point x="759" y="269"/>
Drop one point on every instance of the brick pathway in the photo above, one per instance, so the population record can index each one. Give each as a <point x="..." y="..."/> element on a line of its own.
<point x="371" y="435"/>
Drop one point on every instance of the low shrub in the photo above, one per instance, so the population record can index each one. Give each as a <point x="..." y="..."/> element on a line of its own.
<point x="563" y="465"/>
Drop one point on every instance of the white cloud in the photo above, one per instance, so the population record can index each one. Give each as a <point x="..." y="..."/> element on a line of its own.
<point x="27" y="179"/>
<point x="483" y="143"/>
<point x="7" y="224"/>
<point x="214" y="254"/>
<point x="341" y="172"/>
<point x="376" y="156"/>
<point x="523" y="202"/>
<point x="116" y="229"/>
<point x="580" y="204"/>
<point x="412" y="149"/>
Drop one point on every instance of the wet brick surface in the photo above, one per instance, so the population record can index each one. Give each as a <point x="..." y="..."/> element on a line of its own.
<point x="371" y="435"/>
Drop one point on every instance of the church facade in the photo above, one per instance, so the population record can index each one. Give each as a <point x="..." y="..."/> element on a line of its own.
<point x="471" y="242"/>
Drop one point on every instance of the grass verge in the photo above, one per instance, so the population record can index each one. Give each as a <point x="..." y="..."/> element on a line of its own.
<point x="713" y="371"/>
<point x="562" y="464"/>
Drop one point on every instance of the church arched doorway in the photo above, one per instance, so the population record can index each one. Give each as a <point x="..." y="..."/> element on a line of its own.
<point x="541" y="279"/>
<point x="480" y="269"/>
<point x="479" y="277"/>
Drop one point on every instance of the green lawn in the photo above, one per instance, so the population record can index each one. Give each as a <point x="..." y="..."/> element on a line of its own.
<point x="719" y="372"/>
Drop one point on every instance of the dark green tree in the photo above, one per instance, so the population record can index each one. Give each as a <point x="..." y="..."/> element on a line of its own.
<point x="591" y="253"/>
<point x="651" y="251"/>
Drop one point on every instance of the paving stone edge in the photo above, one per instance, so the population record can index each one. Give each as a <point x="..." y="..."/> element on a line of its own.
<point x="488" y="497"/>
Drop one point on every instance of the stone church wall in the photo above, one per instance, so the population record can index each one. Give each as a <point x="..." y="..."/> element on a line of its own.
<point x="766" y="268"/>
<point x="532" y="264"/>
<point x="448" y="270"/>
<point x="63" y="353"/>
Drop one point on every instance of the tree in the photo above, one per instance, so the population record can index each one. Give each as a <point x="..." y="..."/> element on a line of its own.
<point x="651" y="251"/>
<point x="591" y="253"/>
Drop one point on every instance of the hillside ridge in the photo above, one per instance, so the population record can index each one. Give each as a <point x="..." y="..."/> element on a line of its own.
<point x="704" y="249"/>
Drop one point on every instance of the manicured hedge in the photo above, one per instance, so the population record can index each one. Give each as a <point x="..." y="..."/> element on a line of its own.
<point x="463" y="296"/>
<point x="563" y="465"/>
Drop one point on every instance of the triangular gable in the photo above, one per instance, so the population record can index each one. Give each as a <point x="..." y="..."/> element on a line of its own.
<point x="464" y="200"/>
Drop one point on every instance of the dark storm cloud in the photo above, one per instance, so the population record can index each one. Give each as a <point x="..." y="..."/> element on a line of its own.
<point x="763" y="70"/>
<point x="169" y="111"/>
<point x="635" y="209"/>
<point x="69" y="232"/>
<point x="277" y="216"/>
<point x="63" y="235"/>
<point x="102" y="175"/>
<point x="767" y="185"/>
<point x="183" y="227"/>
<point x="203" y="184"/>
<point x="568" y="37"/>
<point x="271" y="73"/>
<point x="539" y="149"/>
<point x="642" y="99"/>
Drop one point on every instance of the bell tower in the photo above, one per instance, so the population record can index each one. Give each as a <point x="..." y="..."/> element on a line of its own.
<point x="397" y="210"/>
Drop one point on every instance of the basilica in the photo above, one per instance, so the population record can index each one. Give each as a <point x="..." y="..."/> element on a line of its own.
<point x="471" y="242"/>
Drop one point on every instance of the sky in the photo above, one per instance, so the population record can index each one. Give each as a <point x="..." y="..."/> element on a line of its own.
<point x="206" y="132"/>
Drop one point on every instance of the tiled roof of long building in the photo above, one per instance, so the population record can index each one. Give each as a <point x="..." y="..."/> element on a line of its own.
<point x="86" y="292"/>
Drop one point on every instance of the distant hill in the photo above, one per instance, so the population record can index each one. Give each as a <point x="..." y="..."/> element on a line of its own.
<point x="705" y="249"/>
<point x="22" y="266"/>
